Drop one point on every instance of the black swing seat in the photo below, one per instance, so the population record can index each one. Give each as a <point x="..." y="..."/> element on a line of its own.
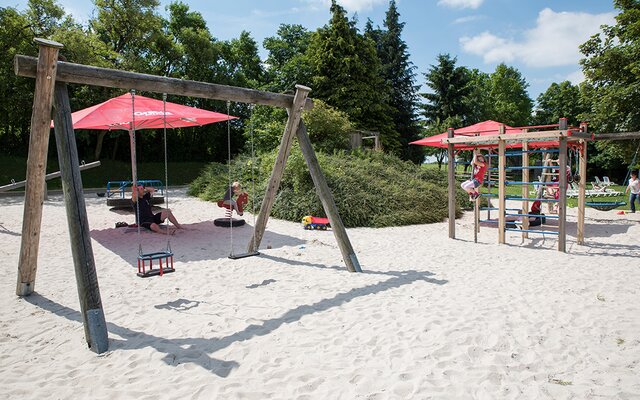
<point x="228" y="222"/>
<point x="605" y="205"/>
<point x="167" y="256"/>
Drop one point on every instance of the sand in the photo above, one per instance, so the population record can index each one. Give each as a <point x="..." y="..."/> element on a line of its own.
<point x="430" y="318"/>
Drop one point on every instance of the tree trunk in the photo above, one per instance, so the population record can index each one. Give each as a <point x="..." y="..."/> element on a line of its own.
<point x="101" y="136"/>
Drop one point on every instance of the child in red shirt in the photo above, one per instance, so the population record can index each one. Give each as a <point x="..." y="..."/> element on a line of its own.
<point x="479" y="169"/>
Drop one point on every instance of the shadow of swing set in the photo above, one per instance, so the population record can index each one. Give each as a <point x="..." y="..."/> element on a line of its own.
<point x="50" y="92"/>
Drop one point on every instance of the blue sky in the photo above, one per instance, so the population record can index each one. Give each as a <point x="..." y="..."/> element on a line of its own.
<point x="539" y="37"/>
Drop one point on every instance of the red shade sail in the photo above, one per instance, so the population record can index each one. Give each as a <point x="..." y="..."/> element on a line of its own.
<point x="480" y="129"/>
<point x="120" y="113"/>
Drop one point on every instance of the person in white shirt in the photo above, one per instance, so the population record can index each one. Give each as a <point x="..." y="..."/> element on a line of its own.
<point x="634" y="188"/>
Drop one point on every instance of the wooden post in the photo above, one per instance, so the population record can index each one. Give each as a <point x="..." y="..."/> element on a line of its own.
<point x="278" y="168"/>
<point x="476" y="219"/>
<point x="562" y="190"/>
<point x="582" y="186"/>
<point x="52" y="175"/>
<point x="328" y="203"/>
<point x="525" y="188"/>
<point x="37" y="164"/>
<point x="451" y="178"/>
<point x="502" y="189"/>
<point x="95" y="326"/>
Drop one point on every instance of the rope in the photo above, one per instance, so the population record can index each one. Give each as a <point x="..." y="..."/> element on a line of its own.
<point x="166" y="168"/>
<point x="253" y="183"/>
<point x="633" y="162"/>
<point x="133" y="167"/>
<point x="229" y="173"/>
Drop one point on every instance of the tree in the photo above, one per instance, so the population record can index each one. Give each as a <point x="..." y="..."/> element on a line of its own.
<point x="346" y="74"/>
<point x="287" y="62"/>
<point x="398" y="73"/>
<point x="508" y="93"/>
<point x="477" y="102"/>
<point x="449" y="87"/>
<point x="560" y="100"/>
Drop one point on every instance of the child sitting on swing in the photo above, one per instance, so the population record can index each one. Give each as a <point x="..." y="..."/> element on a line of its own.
<point x="479" y="168"/>
<point x="233" y="191"/>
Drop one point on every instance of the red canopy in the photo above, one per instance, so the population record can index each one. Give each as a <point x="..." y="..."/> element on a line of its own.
<point x="488" y="127"/>
<point x="119" y="113"/>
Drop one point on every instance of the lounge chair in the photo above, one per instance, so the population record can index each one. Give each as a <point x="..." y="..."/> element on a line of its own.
<point x="606" y="181"/>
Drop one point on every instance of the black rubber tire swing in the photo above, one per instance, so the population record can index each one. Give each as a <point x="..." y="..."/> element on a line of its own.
<point x="228" y="222"/>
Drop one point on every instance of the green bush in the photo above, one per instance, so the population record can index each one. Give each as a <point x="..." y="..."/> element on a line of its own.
<point x="370" y="189"/>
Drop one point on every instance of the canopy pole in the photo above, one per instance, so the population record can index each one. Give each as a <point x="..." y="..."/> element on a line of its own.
<point x="582" y="186"/>
<point x="451" y="178"/>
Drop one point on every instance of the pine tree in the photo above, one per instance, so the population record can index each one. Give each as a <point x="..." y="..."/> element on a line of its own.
<point x="449" y="87"/>
<point x="398" y="73"/>
<point x="347" y="75"/>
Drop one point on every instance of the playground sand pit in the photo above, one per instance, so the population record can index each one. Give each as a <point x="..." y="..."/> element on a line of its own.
<point x="430" y="317"/>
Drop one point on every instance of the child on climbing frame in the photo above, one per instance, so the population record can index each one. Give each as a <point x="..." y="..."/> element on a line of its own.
<point x="479" y="168"/>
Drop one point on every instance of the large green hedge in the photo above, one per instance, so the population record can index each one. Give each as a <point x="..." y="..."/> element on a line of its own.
<point x="370" y="188"/>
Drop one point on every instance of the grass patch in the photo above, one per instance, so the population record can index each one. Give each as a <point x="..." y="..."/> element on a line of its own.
<point x="180" y="173"/>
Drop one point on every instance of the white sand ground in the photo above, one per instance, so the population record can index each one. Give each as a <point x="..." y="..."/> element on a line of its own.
<point x="430" y="318"/>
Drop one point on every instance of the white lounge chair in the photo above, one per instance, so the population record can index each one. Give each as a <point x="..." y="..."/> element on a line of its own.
<point x="606" y="181"/>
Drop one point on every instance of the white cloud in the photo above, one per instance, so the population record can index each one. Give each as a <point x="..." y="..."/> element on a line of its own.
<point x="576" y="77"/>
<point x="552" y="42"/>
<point x="349" y="5"/>
<point x="461" y="3"/>
<point x="470" y="18"/>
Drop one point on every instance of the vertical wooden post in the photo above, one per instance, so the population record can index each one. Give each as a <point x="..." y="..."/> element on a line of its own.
<point x="37" y="164"/>
<point x="502" y="188"/>
<point x="525" y="188"/>
<point x="562" y="189"/>
<point x="451" y="179"/>
<point x="476" y="219"/>
<point x="328" y="203"/>
<point x="278" y="168"/>
<point x="582" y="186"/>
<point x="95" y="326"/>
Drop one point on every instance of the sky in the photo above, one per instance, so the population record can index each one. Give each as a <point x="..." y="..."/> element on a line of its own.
<point x="538" y="37"/>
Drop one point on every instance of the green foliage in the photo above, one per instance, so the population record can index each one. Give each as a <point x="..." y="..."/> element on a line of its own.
<point x="398" y="73"/>
<point x="328" y="128"/>
<point x="449" y="87"/>
<point x="288" y="63"/>
<point x="346" y="75"/>
<point x="370" y="188"/>
<point x="477" y="101"/>
<point x="508" y="93"/>
<point x="561" y="100"/>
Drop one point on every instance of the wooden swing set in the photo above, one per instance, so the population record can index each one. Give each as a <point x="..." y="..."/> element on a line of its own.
<point x="51" y="92"/>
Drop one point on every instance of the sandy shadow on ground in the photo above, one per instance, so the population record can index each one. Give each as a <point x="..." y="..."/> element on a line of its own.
<point x="197" y="242"/>
<point x="198" y="350"/>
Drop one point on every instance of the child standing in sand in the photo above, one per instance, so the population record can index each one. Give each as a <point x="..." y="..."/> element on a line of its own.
<point x="634" y="188"/>
<point x="479" y="168"/>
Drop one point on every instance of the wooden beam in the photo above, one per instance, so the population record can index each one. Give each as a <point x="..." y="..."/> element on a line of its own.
<point x="516" y="137"/>
<point x="328" y="203"/>
<point x="582" y="159"/>
<point x="95" y="326"/>
<point x="617" y="136"/>
<point x="502" y="190"/>
<point x="96" y="76"/>
<point x="525" y="188"/>
<point x="451" y="179"/>
<point x="562" y="196"/>
<point x="290" y="130"/>
<point x="47" y="177"/>
<point x="36" y="164"/>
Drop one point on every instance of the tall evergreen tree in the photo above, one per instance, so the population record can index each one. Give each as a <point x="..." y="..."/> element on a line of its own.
<point x="347" y="75"/>
<point x="449" y="86"/>
<point x="398" y="73"/>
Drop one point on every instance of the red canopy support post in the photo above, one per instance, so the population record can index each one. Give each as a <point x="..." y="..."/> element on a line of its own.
<point x="451" y="177"/>
<point x="37" y="164"/>
<point x="525" y="187"/>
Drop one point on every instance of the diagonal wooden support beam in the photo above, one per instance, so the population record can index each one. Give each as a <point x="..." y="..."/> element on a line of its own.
<point x="328" y="203"/>
<point x="295" y="113"/>
<point x="37" y="164"/>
